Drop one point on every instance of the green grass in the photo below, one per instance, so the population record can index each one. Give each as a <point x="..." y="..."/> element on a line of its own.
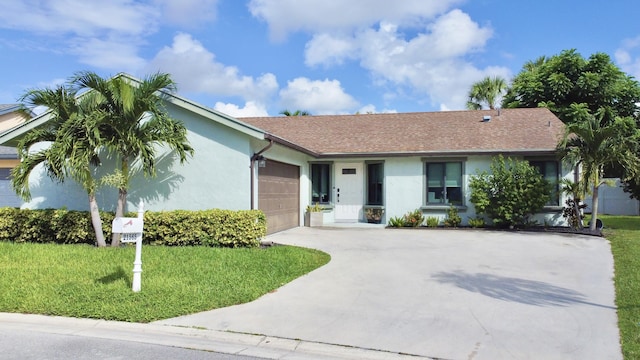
<point x="87" y="282"/>
<point x="624" y="234"/>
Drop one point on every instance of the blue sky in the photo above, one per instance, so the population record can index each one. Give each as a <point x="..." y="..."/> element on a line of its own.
<point x="258" y="57"/>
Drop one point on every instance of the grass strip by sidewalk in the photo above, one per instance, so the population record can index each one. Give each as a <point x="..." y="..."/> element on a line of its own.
<point x="624" y="234"/>
<point x="87" y="282"/>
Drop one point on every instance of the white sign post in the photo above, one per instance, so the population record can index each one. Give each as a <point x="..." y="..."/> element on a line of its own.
<point x="131" y="230"/>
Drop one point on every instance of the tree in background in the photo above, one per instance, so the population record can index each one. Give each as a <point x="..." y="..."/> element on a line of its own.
<point x="486" y="92"/>
<point x="559" y="81"/>
<point x="510" y="193"/>
<point x="295" y="113"/>
<point x="596" y="85"/>
<point x="593" y="141"/>
<point x="72" y="152"/>
<point x="136" y="122"/>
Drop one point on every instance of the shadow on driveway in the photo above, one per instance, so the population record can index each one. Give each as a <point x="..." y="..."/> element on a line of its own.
<point x="513" y="289"/>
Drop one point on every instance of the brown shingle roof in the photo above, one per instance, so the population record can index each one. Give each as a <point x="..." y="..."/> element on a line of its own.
<point x="514" y="130"/>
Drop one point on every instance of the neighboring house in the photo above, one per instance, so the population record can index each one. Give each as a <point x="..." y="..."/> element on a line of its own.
<point x="9" y="118"/>
<point x="346" y="163"/>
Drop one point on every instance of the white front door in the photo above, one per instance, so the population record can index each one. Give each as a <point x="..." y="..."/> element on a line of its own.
<point x="348" y="192"/>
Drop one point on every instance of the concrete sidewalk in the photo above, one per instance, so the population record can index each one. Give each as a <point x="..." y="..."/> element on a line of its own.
<point x="447" y="294"/>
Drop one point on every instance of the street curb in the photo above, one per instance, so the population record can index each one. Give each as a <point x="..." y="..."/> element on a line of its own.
<point x="194" y="338"/>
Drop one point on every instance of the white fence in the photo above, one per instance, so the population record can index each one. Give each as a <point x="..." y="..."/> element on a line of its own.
<point x="613" y="200"/>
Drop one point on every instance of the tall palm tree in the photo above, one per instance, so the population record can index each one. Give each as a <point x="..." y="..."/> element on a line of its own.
<point x="136" y="122"/>
<point x="295" y="113"/>
<point x="486" y="91"/>
<point x="595" y="141"/>
<point x="72" y="152"/>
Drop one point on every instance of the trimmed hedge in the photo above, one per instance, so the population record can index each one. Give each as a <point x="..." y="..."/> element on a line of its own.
<point x="220" y="228"/>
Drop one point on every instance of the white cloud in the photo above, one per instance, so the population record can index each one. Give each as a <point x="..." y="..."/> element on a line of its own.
<point x="318" y="16"/>
<point x="329" y="50"/>
<point x="113" y="53"/>
<point x="320" y="97"/>
<point x="195" y="69"/>
<point x="432" y="63"/>
<point x="628" y="56"/>
<point x="250" y="109"/>
<point x="79" y="17"/>
<point x="188" y="12"/>
<point x="106" y="35"/>
<point x="368" y="109"/>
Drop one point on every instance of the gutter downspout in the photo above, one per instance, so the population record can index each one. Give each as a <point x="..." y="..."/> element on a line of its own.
<point x="252" y="166"/>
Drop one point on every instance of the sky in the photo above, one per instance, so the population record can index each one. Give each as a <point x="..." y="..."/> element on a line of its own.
<point x="260" y="57"/>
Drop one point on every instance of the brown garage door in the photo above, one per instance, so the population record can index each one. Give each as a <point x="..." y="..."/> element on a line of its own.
<point x="279" y="195"/>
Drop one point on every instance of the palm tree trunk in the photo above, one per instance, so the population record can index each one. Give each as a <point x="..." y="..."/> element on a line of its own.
<point x="594" y="208"/>
<point x="96" y="221"/>
<point x="122" y="199"/>
<point x="576" y="209"/>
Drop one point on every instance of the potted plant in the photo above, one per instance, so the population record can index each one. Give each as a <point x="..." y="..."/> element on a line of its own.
<point x="313" y="216"/>
<point x="374" y="215"/>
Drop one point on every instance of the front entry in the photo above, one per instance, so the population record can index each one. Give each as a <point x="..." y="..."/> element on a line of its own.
<point x="348" y="192"/>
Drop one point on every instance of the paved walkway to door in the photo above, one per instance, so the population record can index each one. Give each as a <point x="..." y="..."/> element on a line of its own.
<point x="449" y="294"/>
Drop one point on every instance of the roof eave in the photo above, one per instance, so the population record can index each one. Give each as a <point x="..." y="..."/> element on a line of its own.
<point x="285" y="143"/>
<point x="209" y="113"/>
<point x="13" y="135"/>
<point x="514" y="152"/>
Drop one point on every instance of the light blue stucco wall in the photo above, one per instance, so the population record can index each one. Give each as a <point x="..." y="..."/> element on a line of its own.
<point x="404" y="189"/>
<point x="217" y="176"/>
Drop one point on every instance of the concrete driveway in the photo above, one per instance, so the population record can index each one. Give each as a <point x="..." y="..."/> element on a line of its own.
<point x="448" y="294"/>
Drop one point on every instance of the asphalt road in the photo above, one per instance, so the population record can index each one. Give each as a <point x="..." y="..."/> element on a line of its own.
<point x="31" y="345"/>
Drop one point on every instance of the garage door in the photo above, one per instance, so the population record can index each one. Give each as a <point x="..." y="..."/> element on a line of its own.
<point x="279" y="195"/>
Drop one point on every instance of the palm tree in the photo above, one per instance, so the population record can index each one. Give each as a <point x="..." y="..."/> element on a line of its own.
<point x="533" y="65"/>
<point x="486" y="91"/>
<point x="295" y="113"/>
<point x="592" y="142"/>
<point x="576" y="192"/>
<point x="136" y="122"/>
<point x="73" y="146"/>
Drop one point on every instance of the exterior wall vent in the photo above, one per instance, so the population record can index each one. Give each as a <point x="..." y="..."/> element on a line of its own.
<point x="486" y="118"/>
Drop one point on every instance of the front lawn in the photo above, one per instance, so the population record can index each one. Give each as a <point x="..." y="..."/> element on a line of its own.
<point x="624" y="234"/>
<point x="84" y="281"/>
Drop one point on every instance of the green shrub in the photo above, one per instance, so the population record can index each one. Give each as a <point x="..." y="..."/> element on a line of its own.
<point x="11" y="220"/>
<point x="512" y="192"/>
<point x="477" y="222"/>
<point x="396" y="221"/>
<point x="71" y="227"/>
<point x="433" y="221"/>
<point x="413" y="218"/>
<point x="452" y="219"/>
<point x="221" y="228"/>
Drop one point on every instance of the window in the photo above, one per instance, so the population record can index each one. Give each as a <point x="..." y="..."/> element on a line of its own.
<point x="550" y="171"/>
<point x="444" y="183"/>
<point x="375" y="176"/>
<point x="320" y="183"/>
<point x="5" y="174"/>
